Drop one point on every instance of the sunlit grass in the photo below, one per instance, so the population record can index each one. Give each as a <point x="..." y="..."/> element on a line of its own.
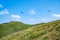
<point x="47" y="31"/>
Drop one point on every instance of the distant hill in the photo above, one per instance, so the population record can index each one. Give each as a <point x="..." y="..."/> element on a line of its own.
<point x="45" y="31"/>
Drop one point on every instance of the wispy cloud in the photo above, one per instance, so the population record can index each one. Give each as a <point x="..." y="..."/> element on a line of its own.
<point x="32" y="12"/>
<point x="1" y="6"/>
<point x="44" y="19"/>
<point x="15" y="17"/>
<point x="56" y="15"/>
<point x="31" y="20"/>
<point x="5" y="11"/>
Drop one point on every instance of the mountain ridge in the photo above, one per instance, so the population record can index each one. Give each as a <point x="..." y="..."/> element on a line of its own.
<point x="37" y="32"/>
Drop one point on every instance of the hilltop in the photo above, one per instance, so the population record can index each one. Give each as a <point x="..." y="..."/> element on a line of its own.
<point x="46" y="31"/>
<point x="12" y="27"/>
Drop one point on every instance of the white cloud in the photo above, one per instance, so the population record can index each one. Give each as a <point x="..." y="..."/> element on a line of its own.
<point x="5" y="11"/>
<point x="32" y="12"/>
<point x="31" y="20"/>
<point x="15" y="17"/>
<point x="56" y="15"/>
<point x="44" y="19"/>
<point x="1" y="6"/>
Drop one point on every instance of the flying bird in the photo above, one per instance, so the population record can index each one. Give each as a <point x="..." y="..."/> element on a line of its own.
<point x="21" y="12"/>
<point x="49" y="11"/>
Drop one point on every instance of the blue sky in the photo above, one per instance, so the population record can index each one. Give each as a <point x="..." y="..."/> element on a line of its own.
<point x="29" y="11"/>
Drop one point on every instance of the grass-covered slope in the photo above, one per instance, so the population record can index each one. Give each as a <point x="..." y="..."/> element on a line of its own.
<point x="12" y="27"/>
<point x="48" y="31"/>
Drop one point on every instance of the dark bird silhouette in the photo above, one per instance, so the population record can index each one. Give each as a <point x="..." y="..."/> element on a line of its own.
<point x="21" y="12"/>
<point x="49" y="11"/>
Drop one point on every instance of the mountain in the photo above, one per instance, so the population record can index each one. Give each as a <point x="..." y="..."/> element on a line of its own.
<point x="45" y="31"/>
<point x="12" y="27"/>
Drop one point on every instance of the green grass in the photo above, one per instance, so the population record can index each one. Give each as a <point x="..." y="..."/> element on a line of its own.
<point x="45" y="31"/>
<point x="12" y="27"/>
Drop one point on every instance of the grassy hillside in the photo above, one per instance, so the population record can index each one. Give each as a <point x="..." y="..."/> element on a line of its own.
<point x="11" y="27"/>
<point x="47" y="31"/>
